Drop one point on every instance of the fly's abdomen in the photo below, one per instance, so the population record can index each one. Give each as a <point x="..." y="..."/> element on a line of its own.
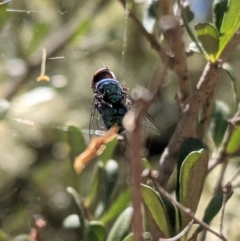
<point x="113" y="116"/>
<point x="110" y="89"/>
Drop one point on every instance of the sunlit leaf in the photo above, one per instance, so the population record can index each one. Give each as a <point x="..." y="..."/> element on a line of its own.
<point x="207" y="35"/>
<point x="230" y="24"/>
<point x="189" y="145"/>
<point x="116" y="207"/>
<point x="122" y="226"/>
<point x="234" y="142"/>
<point x="96" y="231"/>
<point x="157" y="209"/>
<point x="219" y="121"/>
<point x="71" y="221"/>
<point x="219" y="8"/>
<point x="192" y="176"/>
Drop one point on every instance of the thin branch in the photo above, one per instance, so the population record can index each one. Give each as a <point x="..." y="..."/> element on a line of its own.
<point x="180" y="235"/>
<point x="171" y="29"/>
<point x="227" y="188"/>
<point x="186" y="124"/>
<point x="184" y="209"/>
<point x="224" y="156"/>
<point x="205" y="116"/>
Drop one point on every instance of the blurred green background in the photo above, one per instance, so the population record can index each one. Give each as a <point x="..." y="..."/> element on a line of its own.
<point x="78" y="36"/>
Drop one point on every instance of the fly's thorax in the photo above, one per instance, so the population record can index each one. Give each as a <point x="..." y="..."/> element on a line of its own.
<point x="110" y="89"/>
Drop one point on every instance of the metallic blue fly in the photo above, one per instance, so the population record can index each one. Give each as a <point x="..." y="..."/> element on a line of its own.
<point x="111" y="102"/>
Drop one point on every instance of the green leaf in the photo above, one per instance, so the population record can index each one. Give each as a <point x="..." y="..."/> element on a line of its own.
<point x="192" y="176"/>
<point x="189" y="145"/>
<point x="145" y="163"/>
<point x="76" y="198"/>
<point x="71" y="221"/>
<point x="121" y="226"/>
<point x="96" y="231"/>
<point x="219" y="121"/>
<point x="188" y="13"/>
<point x="219" y="8"/>
<point x="207" y="35"/>
<point x="96" y="186"/>
<point x="229" y="69"/>
<point x="116" y="207"/>
<point x="129" y="237"/>
<point x="234" y="142"/>
<point x="150" y="13"/>
<point x="76" y="142"/>
<point x="108" y="151"/>
<point x="157" y="209"/>
<point x="111" y="170"/>
<point x="230" y="24"/>
<point x="212" y="209"/>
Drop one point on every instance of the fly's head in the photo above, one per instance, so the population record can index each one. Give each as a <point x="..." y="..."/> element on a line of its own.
<point x="103" y="73"/>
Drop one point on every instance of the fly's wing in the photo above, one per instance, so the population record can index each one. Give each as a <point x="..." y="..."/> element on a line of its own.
<point x="147" y="119"/>
<point x="151" y="124"/>
<point x="96" y="124"/>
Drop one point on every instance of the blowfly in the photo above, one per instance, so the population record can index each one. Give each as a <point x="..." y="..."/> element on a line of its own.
<point x="110" y="103"/>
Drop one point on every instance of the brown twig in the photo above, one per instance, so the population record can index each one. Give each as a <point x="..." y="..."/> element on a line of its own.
<point x="184" y="209"/>
<point x="180" y="235"/>
<point x="133" y="124"/>
<point x="226" y="189"/>
<point x="205" y="116"/>
<point x="224" y="156"/>
<point x="187" y="121"/>
<point x="173" y="36"/>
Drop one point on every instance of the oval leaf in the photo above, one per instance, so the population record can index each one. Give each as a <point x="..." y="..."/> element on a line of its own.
<point x="192" y="175"/>
<point x="207" y="35"/>
<point x="234" y="142"/>
<point x="157" y="209"/>
<point x="230" y="24"/>
<point x="96" y="231"/>
<point x="212" y="209"/>
<point x="116" y="207"/>
<point x="219" y="8"/>
<point x="121" y="226"/>
<point x="219" y="121"/>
